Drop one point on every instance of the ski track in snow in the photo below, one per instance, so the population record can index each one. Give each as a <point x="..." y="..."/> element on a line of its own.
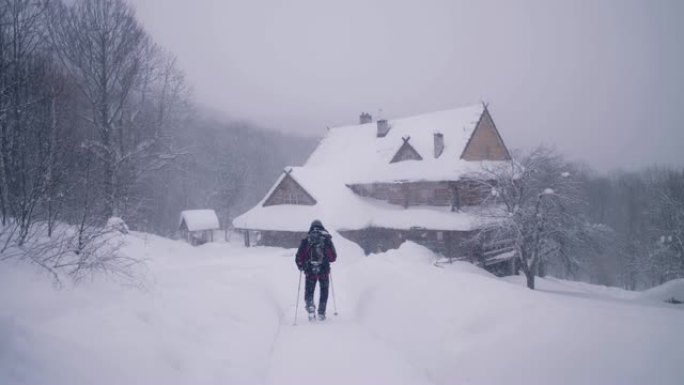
<point x="338" y="350"/>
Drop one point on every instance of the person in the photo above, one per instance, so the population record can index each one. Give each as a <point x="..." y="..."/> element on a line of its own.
<point x="315" y="254"/>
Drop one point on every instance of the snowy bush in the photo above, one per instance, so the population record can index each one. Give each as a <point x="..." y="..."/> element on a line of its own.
<point x="117" y="224"/>
<point x="73" y="252"/>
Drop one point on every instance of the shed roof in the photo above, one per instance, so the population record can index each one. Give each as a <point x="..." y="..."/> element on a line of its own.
<point x="198" y="220"/>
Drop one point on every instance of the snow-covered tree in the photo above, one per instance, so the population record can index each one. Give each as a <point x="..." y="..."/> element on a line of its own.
<point x="666" y="256"/>
<point x="534" y="207"/>
<point x="132" y="90"/>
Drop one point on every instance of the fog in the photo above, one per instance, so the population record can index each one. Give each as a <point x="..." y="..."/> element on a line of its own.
<point x="601" y="81"/>
<point x="124" y="195"/>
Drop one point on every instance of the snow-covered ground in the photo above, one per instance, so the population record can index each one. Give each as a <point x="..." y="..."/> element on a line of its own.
<point x="224" y="314"/>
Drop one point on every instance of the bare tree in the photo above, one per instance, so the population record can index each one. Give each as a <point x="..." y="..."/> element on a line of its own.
<point x="134" y="90"/>
<point x="93" y="120"/>
<point x="532" y="208"/>
<point x="23" y="116"/>
<point x="103" y="47"/>
<point x="161" y="105"/>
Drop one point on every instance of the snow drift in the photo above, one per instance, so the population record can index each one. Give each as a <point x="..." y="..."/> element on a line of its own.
<point x="224" y="314"/>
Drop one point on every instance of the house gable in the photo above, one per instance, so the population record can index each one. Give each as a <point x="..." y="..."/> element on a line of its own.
<point x="485" y="143"/>
<point x="406" y="152"/>
<point x="183" y="226"/>
<point x="289" y="192"/>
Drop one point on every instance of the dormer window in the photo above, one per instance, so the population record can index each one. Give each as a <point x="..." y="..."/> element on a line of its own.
<point x="406" y="152"/>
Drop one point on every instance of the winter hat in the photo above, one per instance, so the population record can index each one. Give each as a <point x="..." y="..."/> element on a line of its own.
<point x="316" y="224"/>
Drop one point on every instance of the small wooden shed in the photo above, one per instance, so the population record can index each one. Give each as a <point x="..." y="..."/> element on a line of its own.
<point x="197" y="226"/>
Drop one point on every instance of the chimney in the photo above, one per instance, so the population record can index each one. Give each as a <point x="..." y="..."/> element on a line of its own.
<point x="383" y="128"/>
<point x="365" y="118"/>
<point x="439" y="144"/>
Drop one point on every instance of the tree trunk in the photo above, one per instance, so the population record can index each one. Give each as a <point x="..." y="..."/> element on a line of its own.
<point x="109" y="169"/>
<point x="4" y="186"/>
<point x="50" y="177"/>
<point x="530" y="271"/>
<point x="109" y="184"/>
<point x="530" y="279"/>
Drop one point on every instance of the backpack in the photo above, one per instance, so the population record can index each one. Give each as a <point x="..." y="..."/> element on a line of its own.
<point x="316" y="258"/>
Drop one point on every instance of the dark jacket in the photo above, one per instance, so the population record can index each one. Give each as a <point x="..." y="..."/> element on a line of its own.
<point x="306" y="250"/>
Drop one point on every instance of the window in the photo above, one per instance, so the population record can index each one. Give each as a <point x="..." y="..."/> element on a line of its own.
<point x="292" y="198"/>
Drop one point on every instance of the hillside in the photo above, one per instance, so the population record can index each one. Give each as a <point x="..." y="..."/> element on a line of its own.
<point x="224" y="314"/>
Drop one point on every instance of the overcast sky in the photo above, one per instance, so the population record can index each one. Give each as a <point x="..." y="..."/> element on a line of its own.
<point x="603" y="81"/>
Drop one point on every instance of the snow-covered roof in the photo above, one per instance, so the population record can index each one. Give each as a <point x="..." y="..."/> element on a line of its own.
<point x="198" y="220"/>
<point x="354" y="154"/>
<point x="341" y="209"/>
<point x="357" y="155"/>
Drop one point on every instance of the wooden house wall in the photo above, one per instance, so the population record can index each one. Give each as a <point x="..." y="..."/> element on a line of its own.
<point x="452" y="244"/>
<point x="456" y="194"/>
<point x="286" y="239"/>
<point x="289" y="192"/>
<point x="374" y="239"/>
<point x="184" y="233"/>
<point x="199" y="237"/>
<point x="485" y="143"/>
<point x="472" y="192"/>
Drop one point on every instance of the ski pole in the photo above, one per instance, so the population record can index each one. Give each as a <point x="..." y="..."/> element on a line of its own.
<point x="332" y="287"/>
<point x="299" y="288"/>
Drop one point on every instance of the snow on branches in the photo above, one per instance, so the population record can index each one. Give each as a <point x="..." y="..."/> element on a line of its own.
<point x="535" y="209"/>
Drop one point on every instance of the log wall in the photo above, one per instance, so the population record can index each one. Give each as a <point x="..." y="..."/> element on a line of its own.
<point x="451" y="194"/>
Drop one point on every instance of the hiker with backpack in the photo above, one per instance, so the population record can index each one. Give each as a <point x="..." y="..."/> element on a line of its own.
<point x="314" y="255"/>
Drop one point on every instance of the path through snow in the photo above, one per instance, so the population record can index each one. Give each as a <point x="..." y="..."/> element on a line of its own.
<point x="223" y="314"/>
<point x="337" y="351"/>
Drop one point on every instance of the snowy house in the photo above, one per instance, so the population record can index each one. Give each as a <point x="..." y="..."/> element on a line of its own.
<point x="197" y="226"/>
<point x="381" y="183"/>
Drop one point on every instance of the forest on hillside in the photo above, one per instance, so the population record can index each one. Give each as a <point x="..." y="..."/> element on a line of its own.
<point x="626" y="227"/>
<point x="644" y="212"/>
<point x="97" y="121"/>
